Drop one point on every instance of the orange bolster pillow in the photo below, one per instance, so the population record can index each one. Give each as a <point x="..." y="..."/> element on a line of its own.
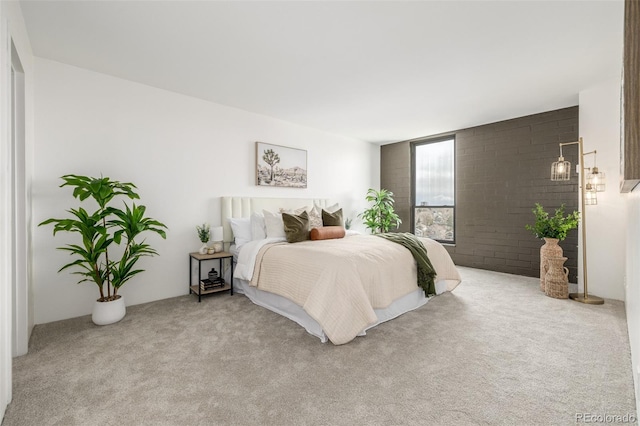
<point x="327" y="233"/>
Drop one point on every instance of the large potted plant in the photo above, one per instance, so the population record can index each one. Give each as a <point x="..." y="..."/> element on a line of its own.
<point x="109" y="247"/>
<point x="380" y="217"/>
<point x="552" y="229"/>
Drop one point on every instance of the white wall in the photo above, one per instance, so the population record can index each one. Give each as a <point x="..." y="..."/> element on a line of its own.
<point x="182" y="153"/>
<point x="606" y="221"/>
<point x="614" y="224"/>
<point x="14" y="294"/>
<point x="6" y="206"/>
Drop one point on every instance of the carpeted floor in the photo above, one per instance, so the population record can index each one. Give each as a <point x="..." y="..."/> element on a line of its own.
<point x="494" y="351"/>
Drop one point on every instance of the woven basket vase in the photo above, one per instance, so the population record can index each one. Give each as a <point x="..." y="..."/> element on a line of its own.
<point x="557" y="278"/>
<point x="549" y="249"/>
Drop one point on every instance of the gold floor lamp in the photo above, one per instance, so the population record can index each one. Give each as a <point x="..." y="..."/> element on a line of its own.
<point x="561" y="170"/>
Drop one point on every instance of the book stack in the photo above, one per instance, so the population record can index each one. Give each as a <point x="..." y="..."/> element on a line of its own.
<point x="208" y="284"/>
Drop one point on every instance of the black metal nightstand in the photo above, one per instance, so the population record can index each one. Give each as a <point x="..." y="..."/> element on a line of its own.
<point x="220" y="256"/>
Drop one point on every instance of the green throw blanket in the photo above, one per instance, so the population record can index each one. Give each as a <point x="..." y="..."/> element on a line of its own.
<point x="426" y="273"/>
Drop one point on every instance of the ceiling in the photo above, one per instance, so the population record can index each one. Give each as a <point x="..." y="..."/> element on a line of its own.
<point x="375" y="71"/>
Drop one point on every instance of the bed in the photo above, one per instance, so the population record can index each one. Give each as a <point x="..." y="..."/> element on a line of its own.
<point x="336" y="289"/>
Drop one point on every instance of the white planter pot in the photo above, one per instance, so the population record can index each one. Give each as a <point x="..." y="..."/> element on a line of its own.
<point x="105" y="313"/>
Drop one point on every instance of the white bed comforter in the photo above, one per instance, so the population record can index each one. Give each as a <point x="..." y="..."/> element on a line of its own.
<point x="340" y="282"/>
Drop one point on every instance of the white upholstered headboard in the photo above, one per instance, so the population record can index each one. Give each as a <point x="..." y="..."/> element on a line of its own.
<point x="244" y="206"/>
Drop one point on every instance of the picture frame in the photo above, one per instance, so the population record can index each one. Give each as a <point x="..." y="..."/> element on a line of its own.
<point x="280" y="166"/>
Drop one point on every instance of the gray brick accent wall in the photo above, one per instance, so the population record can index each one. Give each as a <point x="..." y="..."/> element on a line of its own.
<point x="395" y="169"/>
<point x="502" y="170"/>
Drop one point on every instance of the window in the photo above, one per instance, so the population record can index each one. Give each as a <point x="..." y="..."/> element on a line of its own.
<point x="434" y="189"/>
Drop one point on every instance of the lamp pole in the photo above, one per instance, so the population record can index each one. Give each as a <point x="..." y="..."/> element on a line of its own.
<point x="583" y="297"/>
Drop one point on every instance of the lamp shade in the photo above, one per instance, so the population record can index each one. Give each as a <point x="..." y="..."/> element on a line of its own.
<point x="217" y="233"/>
<point x="590" y="195"/>
<point x="597" y="179"/>
<point x="561" y="169"/>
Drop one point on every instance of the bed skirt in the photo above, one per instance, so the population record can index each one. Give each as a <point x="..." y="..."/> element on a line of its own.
<point x="288" y="309"/>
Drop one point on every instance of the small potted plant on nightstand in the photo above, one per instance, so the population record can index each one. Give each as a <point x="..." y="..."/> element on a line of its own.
<point x="204" y="233"/>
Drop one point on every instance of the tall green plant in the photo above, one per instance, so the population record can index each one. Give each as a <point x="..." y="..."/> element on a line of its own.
<point x="555" y="226"/>
<point x="101" y="229"/>
<point x="380" y="217"/>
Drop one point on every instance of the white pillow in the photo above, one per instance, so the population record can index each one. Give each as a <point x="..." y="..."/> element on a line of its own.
<point x="315" y="215"/>
<point x="241" y="228"/>
<point x="273" y="224"/>
<point x="297" y="211"/>
<point x="331" y="209"/>
<point x="258" y="230"/>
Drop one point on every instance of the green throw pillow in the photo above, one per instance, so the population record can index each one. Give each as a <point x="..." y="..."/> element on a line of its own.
<point x="332" y="219"/>
<point x="296" y="227"/>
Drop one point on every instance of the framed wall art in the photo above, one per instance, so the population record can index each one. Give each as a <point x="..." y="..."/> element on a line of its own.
<point x="280" y="166"/>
